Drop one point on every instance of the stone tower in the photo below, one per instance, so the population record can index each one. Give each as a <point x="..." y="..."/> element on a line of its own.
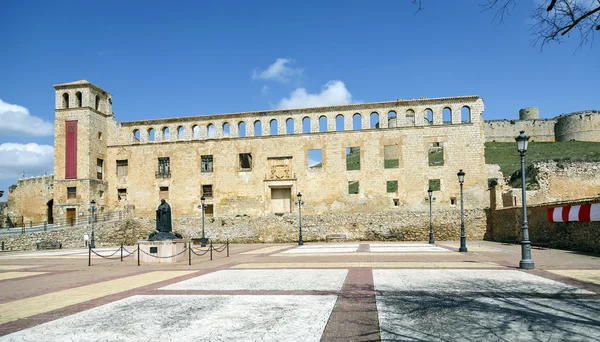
<point x="83" y="112"/>
<point x="529" y="113"/>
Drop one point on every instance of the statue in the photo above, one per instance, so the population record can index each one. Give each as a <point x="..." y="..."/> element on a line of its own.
<point x="163" y="224"/>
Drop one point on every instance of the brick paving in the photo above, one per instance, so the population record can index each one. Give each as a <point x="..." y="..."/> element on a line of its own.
<point x="422" y="295"/>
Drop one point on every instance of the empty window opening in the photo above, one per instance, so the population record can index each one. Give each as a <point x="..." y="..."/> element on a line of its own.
<point x="465" y="114"/>
<point x="352" y="158"/>
<point x="306" y="125"/>
<point x="97" y="103"/>
<point x="392" y="186"/>
<point x="78" y="97"/>
<point x="122" y="194"/>
<point x="289" y="126"/>
<point x="339" y="122"/>
<point x="374" y="120"/>
<point x="196" y="132"/>
<point x="410" y="117"/>
<point x="163" y="192"/>
<point x="245" y="161"/>
<point x="429" y="116"/>
<point x="207" y="190"/>
<point x="151" y="134"/>
<point x="180" y="132"/>
<point x="273" y="126"/>
<point x="71" y="192"/>
<point x="210" y="130"/>
<point x="447" y="115"/>
<point x="452" y="200"/>
<point x="136" y="134"/>
<point x="315" y="159"/>
<point x="122" y="168"/>
<point x="226" y="130"/>
<point x="164" y="167"/>
<point x="392" y="119"/>
<point x="99" y="168"/>
<point x="391" y="157"/>
<point x="353" y="187"/>
<point x="206" y="163"/>
<point x="257" y="128"/>
<point x="434" y="184"/>
<point x="209" y="210"/>
<point x="165" y="133"/>
<point x="436" y="154"/>
<point x="396" y="201"/>
<point x="242" y="129"/>
<point x="323" y="124"/>
<point x="99" y="135"/>
<point x="65" y="100"/>
<point x="357" y="121"/>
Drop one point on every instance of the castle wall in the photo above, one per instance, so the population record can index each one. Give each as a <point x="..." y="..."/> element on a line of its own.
<point x="580" y="126"/>
<point x="28" y="201"/>
<point x="507" y="130"/>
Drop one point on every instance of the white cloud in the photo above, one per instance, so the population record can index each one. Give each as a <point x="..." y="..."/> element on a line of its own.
<point x="278" y="71"/>
<point x="264" y="90"/>
<point x="32" y="158"/>
<point x="16" y="121"/>
<point x="332" y="93"/>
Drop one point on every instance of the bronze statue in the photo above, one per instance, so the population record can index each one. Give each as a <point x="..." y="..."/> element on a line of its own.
<point x="163" y="224"/>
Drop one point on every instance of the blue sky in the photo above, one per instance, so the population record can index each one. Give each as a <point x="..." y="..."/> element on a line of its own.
<point x="181" y="58"/>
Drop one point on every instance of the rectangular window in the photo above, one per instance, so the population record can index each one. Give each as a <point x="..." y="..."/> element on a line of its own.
<point x="164" y="192"/>
<point x="99" y="168"/>
<point x="122" y="168"/>
<point x="452" y="200"/>
<point x="207" y="190"/>
<point x="122" y="194"/>
<point x="71" y="149"/>
<point x="315" y="159"/>
<point x="436" y="154"/>
<point x="206" y="163"/>
<point x="245" y="161"/>
<point x="352" y="158"/>
<point x="71" y="192"/>
<point x="353" y="187"/>
<point x="392" y="186"/>
<point x="434" y="184"/>
<point x="164" y="168"/>
<point x="391" y="157"/>
<point x="209" y="210"/>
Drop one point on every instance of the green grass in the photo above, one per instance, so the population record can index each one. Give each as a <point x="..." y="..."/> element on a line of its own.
<point x="391" y="163"/>
<point x="436" y="157"/>
<point x="392" y="186"/>
<point x="353" y="161"/>
<point x="353" y="188"/>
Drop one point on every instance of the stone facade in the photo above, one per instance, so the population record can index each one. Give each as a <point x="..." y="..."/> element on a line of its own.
<point x="31" y="201"/>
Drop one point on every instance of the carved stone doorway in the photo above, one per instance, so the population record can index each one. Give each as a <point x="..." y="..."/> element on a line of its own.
<point x="281" y="200"/>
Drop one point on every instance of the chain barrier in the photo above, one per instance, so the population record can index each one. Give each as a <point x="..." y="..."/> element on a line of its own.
<point x="206" y="251"/>
<point x="165" y="257"/>
<point x="105" y="256"/>
<point x="221" y="248"/>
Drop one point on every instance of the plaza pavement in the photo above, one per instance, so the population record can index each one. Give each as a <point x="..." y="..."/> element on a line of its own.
<point x="355" y="291"/>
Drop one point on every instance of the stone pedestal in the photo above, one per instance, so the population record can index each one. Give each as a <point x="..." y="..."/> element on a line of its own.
<point x="163" y="252"/>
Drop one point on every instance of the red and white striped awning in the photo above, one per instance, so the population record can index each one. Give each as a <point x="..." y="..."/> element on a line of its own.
<point x="575" y="213"/>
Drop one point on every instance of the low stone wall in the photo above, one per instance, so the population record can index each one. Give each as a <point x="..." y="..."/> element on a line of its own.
<point x="504" y="224"/>
<point x="387" y="225"/>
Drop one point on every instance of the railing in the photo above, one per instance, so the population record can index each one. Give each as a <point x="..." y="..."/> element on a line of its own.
<point x="163" y="174"/>
<point x="60" y="223"/>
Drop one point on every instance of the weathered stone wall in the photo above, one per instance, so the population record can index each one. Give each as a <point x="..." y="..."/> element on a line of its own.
<point x="578" y="236"/>
<point x="507" y="130"/>
<point x="580" y="126"/>
<point x="390" y="224"/>
<point x="29" y="200"/>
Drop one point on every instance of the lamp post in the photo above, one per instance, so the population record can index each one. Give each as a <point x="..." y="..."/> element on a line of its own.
<point x="463" y="238"/>
<point x="526" y="262"/>
<point x="429" y="193"/>
<point x="92" y="210"/>
<point x="202" y="243"/>
<point x="300" y="204"/>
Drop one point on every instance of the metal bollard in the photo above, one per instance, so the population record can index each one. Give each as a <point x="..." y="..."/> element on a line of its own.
<point x="138" y="254"/>
<point x="121" y="251"/>
<point x="211" y="248"/>
<point x="90" y="256"/>
<point x="227" y="241"/>
<point x="190" y="254"/>
<point x="45" y="225"/>
<point x="2" y="245"/>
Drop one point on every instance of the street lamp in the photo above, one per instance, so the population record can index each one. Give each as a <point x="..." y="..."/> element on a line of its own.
<point x="202" y="242"/>
<point x="463" y="238"/>
<point x="300" y="204"/>
<point x="92" y="210"/>
<point x="526" y="262"/>
<point x="431" y="240"/>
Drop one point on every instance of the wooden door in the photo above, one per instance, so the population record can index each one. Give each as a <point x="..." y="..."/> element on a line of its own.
<point x="71" y="216"/>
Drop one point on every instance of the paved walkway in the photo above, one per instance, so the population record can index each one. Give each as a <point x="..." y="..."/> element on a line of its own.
<point x="367" y="291"/>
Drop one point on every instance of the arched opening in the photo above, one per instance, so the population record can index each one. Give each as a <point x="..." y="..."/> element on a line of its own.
<point x="339" y="122"/>
<point x="97" y="104"/>
<point x="180" y="132"/>
<point x="196" y="132"/>
<point x="410" y="117"/>
<point x="429" y="116"/>
<point x="306" y="125"/>
<point x="392" y="119"/>
<point x="289" y="126"/>
<point x="151" y="134"/>
<point x="447" y="115"/>
<point x="49" y="214"/>
<point x="65" y="100"/>
<point x="323" y="123"/>
<point x="210" y="130"/>
<point x="226" y="130"/>
<point x="242" y="129"/>
<point x="465" y="114"/>
<point x="136" y="134"/>
<point x="257" y="128"/>
<point x="374" y="120"/>
<point x="273" y="127"/>
<point x="165" y="133"/>
<point x="356" y="121"/>
<point x="78" y="97"/>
